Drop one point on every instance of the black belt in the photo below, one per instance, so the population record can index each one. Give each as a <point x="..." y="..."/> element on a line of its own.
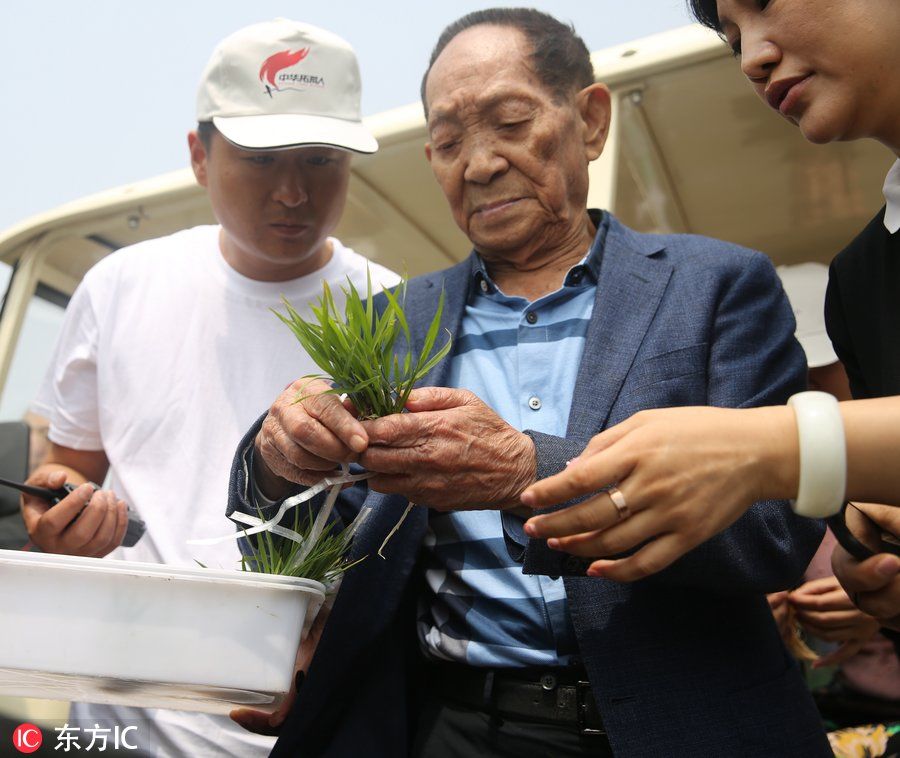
<point x="553" y="695"/>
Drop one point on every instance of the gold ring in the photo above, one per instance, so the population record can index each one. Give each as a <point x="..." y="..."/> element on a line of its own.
<point x="618" y="500"/>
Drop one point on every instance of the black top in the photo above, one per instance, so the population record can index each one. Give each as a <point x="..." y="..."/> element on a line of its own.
<point x="862" y="315"/>
<point x="862" y="310"/>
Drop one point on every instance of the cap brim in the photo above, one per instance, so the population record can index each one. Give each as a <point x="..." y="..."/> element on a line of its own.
<point x="293" y="130"/>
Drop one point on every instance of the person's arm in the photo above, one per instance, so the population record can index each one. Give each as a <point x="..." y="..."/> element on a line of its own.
<point x="83" y="523"/>
<point x="872" y="433"/>
<point x="754" y="360"/>
<point x="693" y="471"/>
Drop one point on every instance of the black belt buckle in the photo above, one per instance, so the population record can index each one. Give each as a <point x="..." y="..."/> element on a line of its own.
<point x="582" y="692"/>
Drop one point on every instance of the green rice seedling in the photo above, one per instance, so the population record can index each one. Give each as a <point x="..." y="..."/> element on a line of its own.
<point x="356" y="350"/>
<point x="325" y="562"/>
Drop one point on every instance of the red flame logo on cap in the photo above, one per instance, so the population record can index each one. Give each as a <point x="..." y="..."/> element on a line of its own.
<point x="275" y="63"/>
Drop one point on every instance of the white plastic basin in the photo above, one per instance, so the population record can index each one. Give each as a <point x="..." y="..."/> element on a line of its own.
<point x="148" y="635"/>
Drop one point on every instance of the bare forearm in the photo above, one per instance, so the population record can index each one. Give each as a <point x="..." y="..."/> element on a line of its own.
<point x="872" y="433"/>
<point x="73" y="476"/>
<point x="80" y="465"/>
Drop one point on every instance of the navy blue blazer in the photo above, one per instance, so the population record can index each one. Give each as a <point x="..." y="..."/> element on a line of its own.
<point x="686" y="663"/>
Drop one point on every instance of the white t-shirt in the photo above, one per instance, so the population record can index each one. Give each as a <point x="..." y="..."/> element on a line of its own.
<point x="166" y="357"/>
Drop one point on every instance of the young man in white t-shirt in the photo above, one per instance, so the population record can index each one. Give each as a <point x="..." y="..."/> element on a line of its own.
<point x="169" y="347"/>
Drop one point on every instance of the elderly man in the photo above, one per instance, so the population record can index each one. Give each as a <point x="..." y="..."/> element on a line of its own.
<point x="465" y="640"/>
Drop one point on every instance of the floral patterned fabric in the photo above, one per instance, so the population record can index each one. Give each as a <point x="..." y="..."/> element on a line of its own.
<point x="874" y="741"/>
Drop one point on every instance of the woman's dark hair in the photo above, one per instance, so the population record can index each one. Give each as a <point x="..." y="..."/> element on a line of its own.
<point x="561" y="59"/>
<point x="704" y="11"/>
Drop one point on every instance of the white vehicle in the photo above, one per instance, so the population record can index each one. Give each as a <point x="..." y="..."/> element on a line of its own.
<point x="690" y="150"/>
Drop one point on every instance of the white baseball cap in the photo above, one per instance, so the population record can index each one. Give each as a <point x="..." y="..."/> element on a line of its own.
<point x="804" y="284"/>
<point x="282" y="84"/>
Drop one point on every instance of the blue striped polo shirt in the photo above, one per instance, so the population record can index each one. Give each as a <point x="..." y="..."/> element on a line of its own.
<point x="521" y="358"/>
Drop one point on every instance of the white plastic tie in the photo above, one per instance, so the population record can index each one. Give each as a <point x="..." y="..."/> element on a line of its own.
<point x="273" y="524"/>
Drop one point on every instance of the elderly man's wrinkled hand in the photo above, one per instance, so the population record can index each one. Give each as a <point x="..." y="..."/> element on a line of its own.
<point x="306" y="433"/>
<point x="451" y="451"/>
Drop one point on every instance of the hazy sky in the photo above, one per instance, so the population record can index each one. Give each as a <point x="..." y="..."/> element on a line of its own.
<point x="97" y="93"/>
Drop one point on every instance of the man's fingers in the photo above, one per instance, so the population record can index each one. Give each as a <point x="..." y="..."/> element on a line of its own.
<point x="33" y="509"/>
<point x="438" y="399"/>
<point x="287" y="470"/>
<point x="81" y="533"/>
<point x="258" y="722"/>
<point x="102" y="541"/>
<point x="262" y="722"/>
<point x="387" y="484"/>
<point x="51" y="521"/>
<point x="287" y="459"/>
<point x="397" y="430"/>
<point x="330" y="412"/>
<point x="55" y="479"/>
<point x="299" y="434"/>
<point x="653" y="557"/>
<point x="121" y="523"/>
<point x="389" y="460"/>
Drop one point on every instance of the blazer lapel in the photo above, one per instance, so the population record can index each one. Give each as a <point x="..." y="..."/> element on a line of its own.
<point x="630" y="286"/>
<point x="421" y="304"/>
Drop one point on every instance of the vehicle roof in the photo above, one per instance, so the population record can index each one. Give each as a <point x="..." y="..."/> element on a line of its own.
<point x="696" y="152"/>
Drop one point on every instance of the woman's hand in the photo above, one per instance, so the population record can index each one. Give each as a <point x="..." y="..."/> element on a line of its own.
<point x="263" y="722"/>
<point x="685" y="473"/>
<point x="874" y="584"/>
<point x="824" y="610"/>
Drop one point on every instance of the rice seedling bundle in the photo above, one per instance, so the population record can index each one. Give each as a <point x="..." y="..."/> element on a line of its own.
<point x="358" y="351"/>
